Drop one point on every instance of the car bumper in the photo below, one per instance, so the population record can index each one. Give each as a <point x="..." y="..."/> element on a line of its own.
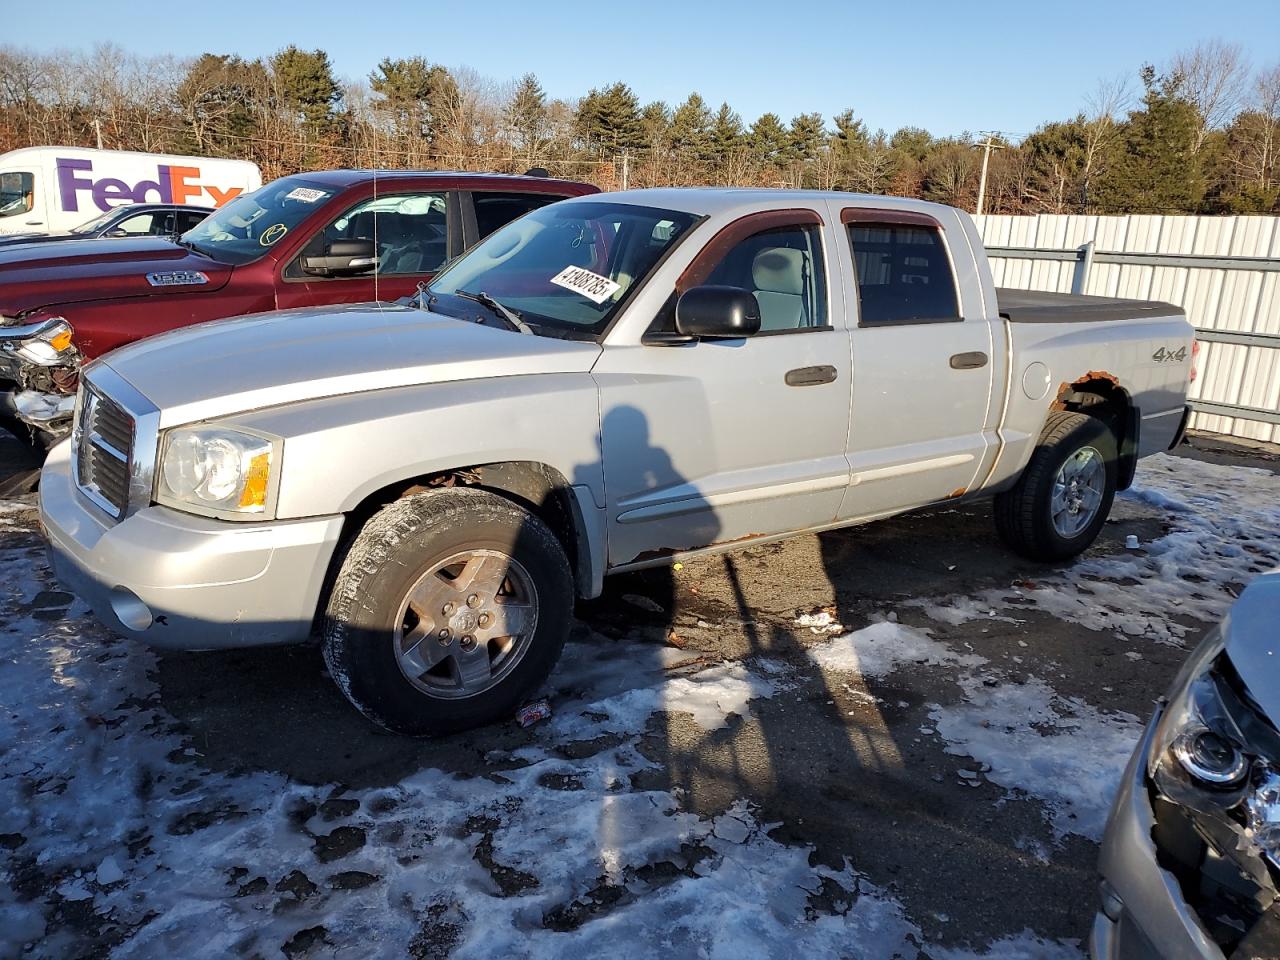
<point x="1144" y="916"/>
<point x="182" y="581"/>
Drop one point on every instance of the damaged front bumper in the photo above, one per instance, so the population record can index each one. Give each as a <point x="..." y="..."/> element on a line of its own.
<point x="1144" y="915"/>
<point x="39" y="371"/>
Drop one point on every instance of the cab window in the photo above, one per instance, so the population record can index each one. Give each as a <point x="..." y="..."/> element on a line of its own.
<point x="494" y="210"/>
<point x="17" y="193"/>
<point x="137" y="226"/>
<point x="904" y="274"/>
<point x="783" y="268"/>
<point x="409" y="232"/>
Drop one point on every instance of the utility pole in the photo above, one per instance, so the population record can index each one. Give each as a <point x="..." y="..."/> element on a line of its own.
<point x="626" y="169"/>
<point x="97" y="128"/>
<point x="987" y="147"/>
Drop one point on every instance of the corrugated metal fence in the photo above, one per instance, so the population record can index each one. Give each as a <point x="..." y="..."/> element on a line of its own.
<point x="1224" y="271"/>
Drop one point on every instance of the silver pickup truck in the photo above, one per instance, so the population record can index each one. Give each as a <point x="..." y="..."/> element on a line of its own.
<point x="609" y="383"/>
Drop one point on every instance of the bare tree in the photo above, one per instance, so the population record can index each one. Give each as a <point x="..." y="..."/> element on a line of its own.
<point x="1214" y="76"/>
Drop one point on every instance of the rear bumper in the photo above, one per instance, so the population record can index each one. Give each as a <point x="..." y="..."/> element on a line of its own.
<point x="185" y="582"/>
<point x="1144" y="916"/>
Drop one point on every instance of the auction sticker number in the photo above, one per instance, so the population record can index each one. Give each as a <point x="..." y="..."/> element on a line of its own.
<point x="594" y="287"/>
<point x="305" y="194"/>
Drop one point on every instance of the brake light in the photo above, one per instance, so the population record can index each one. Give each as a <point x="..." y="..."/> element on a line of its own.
<point x="1195" y="355"/>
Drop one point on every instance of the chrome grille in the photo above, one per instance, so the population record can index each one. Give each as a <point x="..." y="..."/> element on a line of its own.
<point x="104" y="451"/>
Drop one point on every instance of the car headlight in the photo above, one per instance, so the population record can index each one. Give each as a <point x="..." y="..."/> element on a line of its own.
<point x="44" y="344"/>
<point x="217" y="471"/>
<point x="1199" y="757"/>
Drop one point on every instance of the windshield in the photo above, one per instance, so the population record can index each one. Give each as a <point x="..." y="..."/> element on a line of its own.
<point x="568" y="265"/>
<point x="251" y="224"/>
<point x="101" y="220"/>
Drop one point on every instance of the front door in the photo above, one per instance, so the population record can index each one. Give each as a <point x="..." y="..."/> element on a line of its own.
<point x="720" y="441"/>
<point x="922" y="372"/>
<point x="410" y="232"/>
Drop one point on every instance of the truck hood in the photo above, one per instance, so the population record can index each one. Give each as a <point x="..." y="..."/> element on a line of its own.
<point x="1251" y="641"/>
<point x="268" y="359"/>
<point x="52" y="274"/>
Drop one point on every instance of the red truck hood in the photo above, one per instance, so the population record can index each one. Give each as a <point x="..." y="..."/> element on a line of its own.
<point x="51" y="274"/>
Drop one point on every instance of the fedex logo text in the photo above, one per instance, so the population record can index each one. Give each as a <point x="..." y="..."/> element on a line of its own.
<point x="172" y="185"/>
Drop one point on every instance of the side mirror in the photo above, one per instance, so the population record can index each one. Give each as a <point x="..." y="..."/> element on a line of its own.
<point x="342" y="258"/>
<point x="116" y="233"/>
<point x="717" y="313"/>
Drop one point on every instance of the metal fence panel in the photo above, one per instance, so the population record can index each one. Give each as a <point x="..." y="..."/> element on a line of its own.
<point x="1224" y="271"/>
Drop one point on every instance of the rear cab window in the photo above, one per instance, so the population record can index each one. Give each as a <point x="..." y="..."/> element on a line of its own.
<point x="494" y="210"/>
<point x="902" y="267"/>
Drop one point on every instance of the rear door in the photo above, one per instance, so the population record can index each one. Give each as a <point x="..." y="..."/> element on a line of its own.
<point x="922" y="369"/>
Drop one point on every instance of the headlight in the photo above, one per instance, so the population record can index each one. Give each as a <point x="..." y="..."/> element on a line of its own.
<point x="1199" y="757"/>
<point x="45" y="344"/>
<point x="216" y="471"/>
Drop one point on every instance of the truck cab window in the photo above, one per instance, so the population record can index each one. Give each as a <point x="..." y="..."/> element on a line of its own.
<point x="410" y="232"/>
<point x="783" y="268"/>
<point x="17" y="193"/>
<point x="137" y="226"/>
<point x="904" y="274"/>
<point x="494" y="210"/>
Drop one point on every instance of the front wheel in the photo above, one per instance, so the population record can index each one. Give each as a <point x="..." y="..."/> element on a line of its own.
<point x="450" y="608"/>
<point x="1064" y="495"/>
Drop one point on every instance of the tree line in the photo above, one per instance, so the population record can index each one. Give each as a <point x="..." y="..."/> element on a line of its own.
<point x="1199" y="134"/>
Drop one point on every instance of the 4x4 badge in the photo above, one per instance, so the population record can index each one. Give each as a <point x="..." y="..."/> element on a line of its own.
<point x="1164" y="355"/>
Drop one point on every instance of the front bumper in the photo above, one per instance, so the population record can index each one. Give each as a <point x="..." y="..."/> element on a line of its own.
<point x="182" y="581"/>
<point x="1144" y="915"/>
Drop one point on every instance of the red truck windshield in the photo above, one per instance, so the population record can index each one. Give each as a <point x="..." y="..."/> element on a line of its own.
<point x="251" y="224"/>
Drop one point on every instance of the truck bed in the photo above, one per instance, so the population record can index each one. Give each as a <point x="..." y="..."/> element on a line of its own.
<point x="1035" y="306"/>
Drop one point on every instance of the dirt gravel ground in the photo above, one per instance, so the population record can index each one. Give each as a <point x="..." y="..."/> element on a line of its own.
<point x="930" y="724"/>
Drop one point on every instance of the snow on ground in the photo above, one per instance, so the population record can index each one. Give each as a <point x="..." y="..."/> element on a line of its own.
<point x="558" y="858"/>
<point x="153" y="854"/>
<point x="1058" y="749"/>
<point x="1225" y="531"/>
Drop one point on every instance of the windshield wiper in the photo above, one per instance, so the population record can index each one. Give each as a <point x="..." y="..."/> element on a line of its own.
<point x="505" y="313"/>
<point x="190" y="246"/>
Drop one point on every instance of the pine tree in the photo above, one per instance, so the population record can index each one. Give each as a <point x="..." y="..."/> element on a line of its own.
<point x="526" y="116"/>
<point x="306" y="84"/>
<point x="690" y="131"/>
<point x="609" y="119"/>
<point x="1156" y="167"/>
<point x="768" y="139"/>
<point x="726" y="131"/>
<point x="417" y="94"/>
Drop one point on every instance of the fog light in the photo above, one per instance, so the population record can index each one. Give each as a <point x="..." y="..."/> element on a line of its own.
<point x="1112" y="905"/>
<point x="1210" y="757"/>
<point x="130" y="610"/>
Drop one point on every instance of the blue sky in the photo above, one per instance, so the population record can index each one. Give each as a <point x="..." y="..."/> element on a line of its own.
<point x="949" y="67"/>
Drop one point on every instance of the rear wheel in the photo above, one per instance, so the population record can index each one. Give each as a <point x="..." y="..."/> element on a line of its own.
<point x="1064" y="495"/>
<point x="450" y="608"/>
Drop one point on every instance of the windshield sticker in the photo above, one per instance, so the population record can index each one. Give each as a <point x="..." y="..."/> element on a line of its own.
<point x="272" y="234"/>
<point x="594" y="287"/>
<point x="305" y="194"/>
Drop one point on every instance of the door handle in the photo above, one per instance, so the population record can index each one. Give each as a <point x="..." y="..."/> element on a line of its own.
<point x="973" y="360"/>
<point x="810" y="376"/>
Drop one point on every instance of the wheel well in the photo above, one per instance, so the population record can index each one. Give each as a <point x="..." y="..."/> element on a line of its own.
<point x="538" y="488"/>
<point x="1099" y="394"/>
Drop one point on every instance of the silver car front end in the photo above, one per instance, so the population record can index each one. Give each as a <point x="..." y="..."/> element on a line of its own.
<point x="1191" y="857"/>
<point x="172" y="578"/>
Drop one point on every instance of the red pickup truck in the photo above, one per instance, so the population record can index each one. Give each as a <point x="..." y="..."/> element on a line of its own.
<point x="343" y="236"/>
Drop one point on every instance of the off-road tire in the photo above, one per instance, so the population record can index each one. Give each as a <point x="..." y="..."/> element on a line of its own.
<point x="1023" y="514"/>
<point x="393" y="550"/>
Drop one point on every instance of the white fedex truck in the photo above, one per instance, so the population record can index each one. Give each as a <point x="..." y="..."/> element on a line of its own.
<point x="52" y="189"/>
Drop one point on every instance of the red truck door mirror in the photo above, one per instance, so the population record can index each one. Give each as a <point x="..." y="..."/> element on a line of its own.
<point x="717" y="313"/>
<point x="342" y="258"/>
